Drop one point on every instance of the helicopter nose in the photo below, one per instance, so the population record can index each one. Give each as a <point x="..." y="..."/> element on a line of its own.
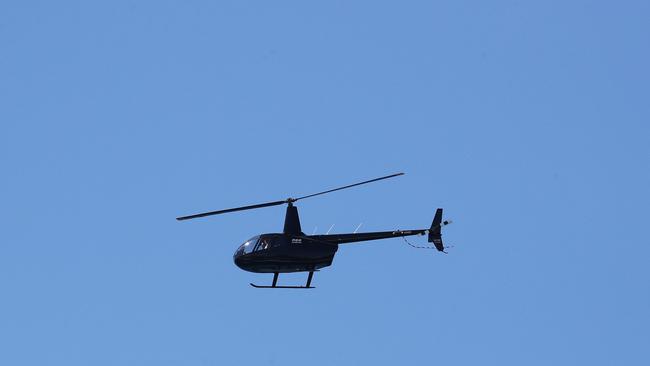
<point x="237" y="259"/>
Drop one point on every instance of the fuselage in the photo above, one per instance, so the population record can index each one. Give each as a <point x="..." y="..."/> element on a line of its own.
<point x="283" y="253"/>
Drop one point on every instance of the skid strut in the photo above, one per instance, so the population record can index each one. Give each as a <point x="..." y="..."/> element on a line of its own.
<point x="275" y="282"/>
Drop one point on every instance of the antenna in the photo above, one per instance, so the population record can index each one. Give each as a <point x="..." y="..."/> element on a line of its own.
<point x="328" y="231"/>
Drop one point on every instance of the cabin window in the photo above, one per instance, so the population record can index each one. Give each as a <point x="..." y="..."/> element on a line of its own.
<point x="263" y="244"/>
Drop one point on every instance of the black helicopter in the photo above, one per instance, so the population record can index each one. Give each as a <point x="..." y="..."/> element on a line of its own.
<point x="293" y="251"/>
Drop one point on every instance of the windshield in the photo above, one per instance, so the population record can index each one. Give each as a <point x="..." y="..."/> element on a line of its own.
<point x="248" y="246"/>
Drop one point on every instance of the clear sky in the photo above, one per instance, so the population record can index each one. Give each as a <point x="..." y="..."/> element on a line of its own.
<point x="526" y="121"/>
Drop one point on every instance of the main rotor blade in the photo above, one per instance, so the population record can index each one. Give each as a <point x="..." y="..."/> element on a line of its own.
<point x="351" y="185"/>
<point x="276" y="203"/>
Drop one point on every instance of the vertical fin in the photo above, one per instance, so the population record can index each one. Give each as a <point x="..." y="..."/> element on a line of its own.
<point x="435" y="232"/>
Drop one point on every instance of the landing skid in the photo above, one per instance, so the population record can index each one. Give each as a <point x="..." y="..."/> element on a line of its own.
<point x="261" y="286"/>
<point x="275" y="281"/>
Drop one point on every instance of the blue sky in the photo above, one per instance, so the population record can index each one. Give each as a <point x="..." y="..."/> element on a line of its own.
<point x="527" y="122"/>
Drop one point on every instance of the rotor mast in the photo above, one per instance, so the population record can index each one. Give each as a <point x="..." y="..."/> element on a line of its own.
<point x="291" y="220"/>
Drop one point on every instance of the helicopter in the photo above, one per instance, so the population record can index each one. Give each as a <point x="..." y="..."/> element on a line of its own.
<point x="294" y="251"/>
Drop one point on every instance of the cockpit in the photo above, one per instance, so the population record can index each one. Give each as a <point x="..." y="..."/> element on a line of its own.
<point x="254" y="244"/>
